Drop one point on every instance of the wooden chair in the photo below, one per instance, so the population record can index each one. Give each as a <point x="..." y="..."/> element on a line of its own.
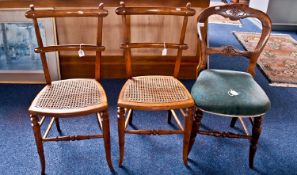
<point x="70" y="97"/>
<point x="151" y="93"/>
<point x="229" y="93"/>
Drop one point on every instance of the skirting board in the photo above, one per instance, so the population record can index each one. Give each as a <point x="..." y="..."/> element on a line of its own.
<point x="28" y="77"/>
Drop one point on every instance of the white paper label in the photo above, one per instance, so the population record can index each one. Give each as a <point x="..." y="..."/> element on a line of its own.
<point x="81" y="53"/>
<point x="232" y="93"/>
<point x="164" y="52"/>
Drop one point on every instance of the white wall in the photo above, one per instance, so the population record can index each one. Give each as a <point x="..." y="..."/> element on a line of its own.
<point x="259" y="4"/>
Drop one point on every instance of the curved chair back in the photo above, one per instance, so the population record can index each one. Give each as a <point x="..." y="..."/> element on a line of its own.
<point x="98" y="13"/>
<point x="128" y="45"/>
<point x="233" y="12"/>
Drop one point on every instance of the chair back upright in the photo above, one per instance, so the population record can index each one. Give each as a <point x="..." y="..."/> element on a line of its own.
<point x="127" y="45"/>
<point x="233" y="12"/>
<point x="42" y="50"/>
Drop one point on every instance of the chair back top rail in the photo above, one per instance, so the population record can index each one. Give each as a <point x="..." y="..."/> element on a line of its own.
<point x="233" y="12"/>
<point x="126" y="12"/>
<point x="67" y="13"/>
<point x="70" y="47"/>
<point x="42" y="13"/>
<point x="184" y="11"/>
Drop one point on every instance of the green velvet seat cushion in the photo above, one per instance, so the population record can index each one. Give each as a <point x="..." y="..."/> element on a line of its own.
<point x="210" y="93"/>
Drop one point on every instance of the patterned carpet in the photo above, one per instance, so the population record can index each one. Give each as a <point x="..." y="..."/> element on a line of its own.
<point x="278" y="61"/>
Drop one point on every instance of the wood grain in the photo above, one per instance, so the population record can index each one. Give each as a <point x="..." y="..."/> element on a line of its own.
<point x="92" y="3"/>
<point x="144" y="28"/>
<point x="114" y="66"/>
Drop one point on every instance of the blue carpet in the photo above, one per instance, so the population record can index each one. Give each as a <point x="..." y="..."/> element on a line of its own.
<point x="277" y="153"/>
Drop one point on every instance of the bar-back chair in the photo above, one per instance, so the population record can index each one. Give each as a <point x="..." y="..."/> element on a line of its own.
<point x="70" y="97"/>
<point x="151" y="93"/>
<point x="230" y="93"/>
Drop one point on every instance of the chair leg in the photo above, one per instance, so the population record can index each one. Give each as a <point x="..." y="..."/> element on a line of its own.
<point x="121" y="132"/>
<point x="131" y="117"/>
<point x="38" y="141"/>
<point x="255" y="137"/>
<point x="169" y="116"/>
<point x="195" y="128"/>
<point x="106" y="136"/>
<point x="233" y="121"/>
<point x="58" y="125"/>
<point x="187" y="134"/>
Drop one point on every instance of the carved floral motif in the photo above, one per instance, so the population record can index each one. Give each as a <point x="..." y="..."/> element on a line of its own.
<point x="229" y="50"/>
<point x="235" y="13"/>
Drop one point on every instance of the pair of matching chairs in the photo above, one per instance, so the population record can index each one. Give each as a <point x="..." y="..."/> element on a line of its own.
<point x="78" y="97"/>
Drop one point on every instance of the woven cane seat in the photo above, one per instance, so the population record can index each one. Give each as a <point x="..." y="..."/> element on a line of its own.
<point x="153" y="91"/>
<point x="70" y="97"/>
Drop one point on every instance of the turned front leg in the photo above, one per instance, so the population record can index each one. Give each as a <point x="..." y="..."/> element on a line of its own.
<point x="121" y="133"/>
<point x="106" y="136"/>
<point x="195" y="128"/>
<point x="187" y="133"/>
<point x="38" y="141"/>
<point x="254" y="141"/>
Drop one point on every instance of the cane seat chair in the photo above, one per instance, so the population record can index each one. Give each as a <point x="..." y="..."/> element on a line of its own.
<point x="70" y="97"/>
<point x="153" y="92"/>
<point x="230" y="93"/>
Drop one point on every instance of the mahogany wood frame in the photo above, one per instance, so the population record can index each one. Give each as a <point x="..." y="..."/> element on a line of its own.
<point x="100" y="110"/>
<point x="125" y="110"/>
<point x="233" y="12"/>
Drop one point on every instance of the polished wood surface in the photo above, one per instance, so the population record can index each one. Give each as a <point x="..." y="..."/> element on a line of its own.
<point x="151" y="84"/>
<point x="52" y="102"/>
<point x="127" y="12"/>
<point x="153" y="11"/>
<point x="114" y="66"/>
<point x="157" y="29"/>
<point x="233" y="12"/>
<point x="92" y="3"/>
<point x="67" y="13"/>
<point x="95" y="13"/>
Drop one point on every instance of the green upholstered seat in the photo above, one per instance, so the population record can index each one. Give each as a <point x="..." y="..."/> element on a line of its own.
<point x="210" y="93"/>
